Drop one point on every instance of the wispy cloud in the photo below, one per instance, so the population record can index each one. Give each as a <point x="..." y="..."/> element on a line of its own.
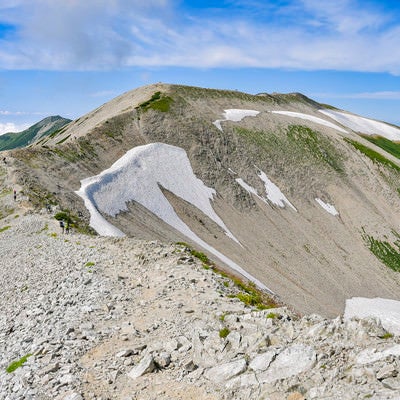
<point x="300" y="34"/>
<point x="11" y="127"/>
<point x="6" y="112"/>
<point x="381" y="95"/>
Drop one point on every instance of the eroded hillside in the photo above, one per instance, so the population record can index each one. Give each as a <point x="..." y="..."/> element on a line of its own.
<point x="312" y="249"/>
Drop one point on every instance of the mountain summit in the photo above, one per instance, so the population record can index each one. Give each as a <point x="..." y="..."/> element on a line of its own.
<point x="301" y="199"/>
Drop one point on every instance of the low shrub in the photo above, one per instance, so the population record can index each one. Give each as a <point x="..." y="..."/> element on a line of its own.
<point x="16" y="364"/>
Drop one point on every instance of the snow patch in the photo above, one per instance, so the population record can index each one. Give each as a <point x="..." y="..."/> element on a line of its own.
<point x="311" y="118"/>
<point x="234" y="115"/>
<point x="139" y="176"/>
<point x="388" y="311"/>
<point x="327" y="207"/>
<point x="364" y="125"/>
<point x="274" y="194"/>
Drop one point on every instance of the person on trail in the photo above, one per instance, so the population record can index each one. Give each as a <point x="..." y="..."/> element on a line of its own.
<point x="67" y="228"/>
<point x="62" y="226"/>
<point x="15" y="195"/>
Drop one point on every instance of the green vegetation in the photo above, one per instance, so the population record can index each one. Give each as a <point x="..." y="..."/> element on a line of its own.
<point x="373" y="155"/>
<point x="224" y="332"/>
<point x="297" y="143"/>
<point x="316" y="145"/>
<point x="387" y="335"/>
<point x="90" y="264"/>
<point x="64" y="216"/>
<point x="384" y="251"/>
<point x="246" y="292"/>
<point x="4" y="228"/>
<point x="24" y="138"/>
<point x="158" y="102"/>
<point x="198" y="254"/>
<point x="63" y="140"/>
<point x="16" y="364"/>
<point x="74" y="222"/>
<point x="392" y="148"/>
<point x="272" y="315"/>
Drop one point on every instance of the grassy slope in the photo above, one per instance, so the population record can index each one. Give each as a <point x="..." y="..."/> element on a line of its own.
<point x="17" y="140"/>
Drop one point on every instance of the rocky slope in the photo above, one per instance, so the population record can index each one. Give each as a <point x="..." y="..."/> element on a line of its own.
<point x="313" y="259"/>
<point x="106" y="318"/>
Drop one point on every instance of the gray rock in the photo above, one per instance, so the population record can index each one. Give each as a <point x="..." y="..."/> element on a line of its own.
<point x="291" y="361"/>
<point x="262" y="361"/>
<point x="145" y="366"/>
<point x="224" y="372"/>
<point x="388" y="371"/>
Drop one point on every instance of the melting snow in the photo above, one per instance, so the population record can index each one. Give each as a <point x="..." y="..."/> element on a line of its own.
<point x="327" y="207"/>
<point x="274" y="194"/>
<point x="138" y="176"/>
<point x="388" y="311"/>
<point x="311" y="118"/>
<point x="234" y="115"/>
<point x="364" y="125"/>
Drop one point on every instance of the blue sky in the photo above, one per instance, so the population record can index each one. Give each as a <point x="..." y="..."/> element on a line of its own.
<point x="67" y="57"/>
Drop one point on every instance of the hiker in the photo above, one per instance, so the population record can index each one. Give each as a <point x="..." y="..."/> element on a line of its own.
<point x="67" y="228"/>
<point x="15" y="195"/>
<point x="62" y="226"/>
<point x="4" y="160"/>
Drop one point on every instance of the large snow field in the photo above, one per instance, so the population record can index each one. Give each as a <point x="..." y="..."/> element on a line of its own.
<point x="235" y="115"/>
<point x="310" y="118"/>
<point x="364" y="125"/>
<point x="388" y="311"/>
<point x="138" y="176"/>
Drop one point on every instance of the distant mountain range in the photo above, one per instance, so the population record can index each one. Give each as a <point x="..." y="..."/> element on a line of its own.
<point x="299" y="197"/>
<point x="45" y="127"/>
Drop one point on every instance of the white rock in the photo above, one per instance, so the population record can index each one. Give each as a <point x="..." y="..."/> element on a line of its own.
<point x="145" y="366"/>
<point x="292" y="361"/>
<point x="262" y="361"/>
<point x="222" y="373"/>
<point x="372" y="355"/>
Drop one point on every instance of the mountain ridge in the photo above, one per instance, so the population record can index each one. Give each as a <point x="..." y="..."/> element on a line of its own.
<point x="312" y="259"/>
<point x="34" y="133"/>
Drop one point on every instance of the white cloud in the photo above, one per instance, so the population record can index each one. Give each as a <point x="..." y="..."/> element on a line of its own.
<point x="101" y="34"/>
<point x="9" y="127"/>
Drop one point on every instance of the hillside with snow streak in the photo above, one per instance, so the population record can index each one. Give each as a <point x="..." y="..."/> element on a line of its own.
<point x="139" y="176"/>
<point x="364" y="125"/>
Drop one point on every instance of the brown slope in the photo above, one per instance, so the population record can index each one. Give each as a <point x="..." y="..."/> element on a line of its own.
<point x="311" y="259"/>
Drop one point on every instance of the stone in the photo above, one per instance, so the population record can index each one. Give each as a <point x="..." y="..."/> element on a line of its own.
<point x="371" y="355"/>
<point x="291" y="361"/>
<point x="145" y="366"/>
<point x="388" y="371"/>
<point x="392" y="383"/>
<point x="125" y="353"/>
<point x="222" y="373"/>
<point x="262" y="361"/>
<point x="163" y="359"/>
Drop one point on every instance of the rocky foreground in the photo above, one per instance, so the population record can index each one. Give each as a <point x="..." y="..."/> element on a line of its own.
<point x="101" y="318"/>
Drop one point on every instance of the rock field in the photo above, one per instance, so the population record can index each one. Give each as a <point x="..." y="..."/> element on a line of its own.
<point x="106" y="318"/>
